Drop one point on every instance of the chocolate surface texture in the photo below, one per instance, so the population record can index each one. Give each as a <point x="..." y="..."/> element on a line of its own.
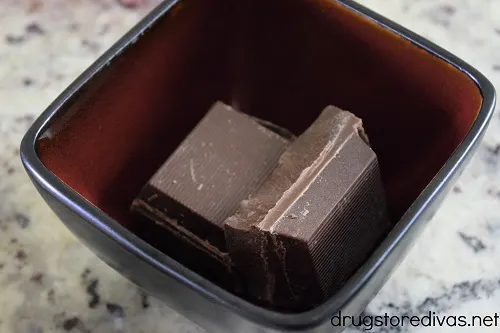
<point x="315" y="219"/>
<point x="293" y="217"/>
<point x="225" y="158"/>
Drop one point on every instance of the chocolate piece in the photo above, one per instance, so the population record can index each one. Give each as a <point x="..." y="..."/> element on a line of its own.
<point x="316" y="218"/>
<point x="222" y="161"/>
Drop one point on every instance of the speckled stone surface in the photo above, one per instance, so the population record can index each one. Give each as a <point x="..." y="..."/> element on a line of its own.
<point x="50" y="282"/>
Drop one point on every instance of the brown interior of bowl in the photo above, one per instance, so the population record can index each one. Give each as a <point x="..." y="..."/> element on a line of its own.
<point x="281" y="60"/>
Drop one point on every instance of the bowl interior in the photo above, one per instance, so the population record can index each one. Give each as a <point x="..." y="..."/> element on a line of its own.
<point x="281" y="60"/>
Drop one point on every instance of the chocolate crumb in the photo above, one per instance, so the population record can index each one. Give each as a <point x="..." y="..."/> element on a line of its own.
<point x="37" y="278"/>
<point x="95" y="299"/>
<point x="457" y="189"/>
<point x="10" y="39"/>
<point x="115" y="310"/>
<point x="35" y="29"/>
<point x="10" y="170"/>
<point x="70" y="323"/>
<point x="22" y="220"/>
<point x="21" y="255"/>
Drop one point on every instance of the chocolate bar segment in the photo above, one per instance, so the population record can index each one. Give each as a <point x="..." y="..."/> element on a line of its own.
<point x="315" y="220"/>
<point x="222" y="161"/>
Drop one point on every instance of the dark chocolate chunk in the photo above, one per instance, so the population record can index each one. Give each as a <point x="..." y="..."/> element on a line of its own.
<point x="316" y="218"/>
<point x="222" y="161"/>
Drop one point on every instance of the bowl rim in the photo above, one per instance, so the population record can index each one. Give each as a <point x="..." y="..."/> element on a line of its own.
<point x="166" y="265"/>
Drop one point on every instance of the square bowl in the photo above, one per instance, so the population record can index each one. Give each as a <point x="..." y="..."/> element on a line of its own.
<point x="90" y="152"/>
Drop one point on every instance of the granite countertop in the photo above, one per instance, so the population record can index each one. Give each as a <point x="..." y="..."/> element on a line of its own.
<point x="50" y="282"/>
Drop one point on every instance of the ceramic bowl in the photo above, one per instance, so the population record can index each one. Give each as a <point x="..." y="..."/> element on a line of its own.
<point x="90" y="152"/>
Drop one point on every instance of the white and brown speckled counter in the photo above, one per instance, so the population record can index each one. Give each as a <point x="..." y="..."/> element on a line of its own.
<point x="50" y="282"/>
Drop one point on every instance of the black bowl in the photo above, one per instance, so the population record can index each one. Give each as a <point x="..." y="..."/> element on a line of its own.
<point x="89" y="153"/>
